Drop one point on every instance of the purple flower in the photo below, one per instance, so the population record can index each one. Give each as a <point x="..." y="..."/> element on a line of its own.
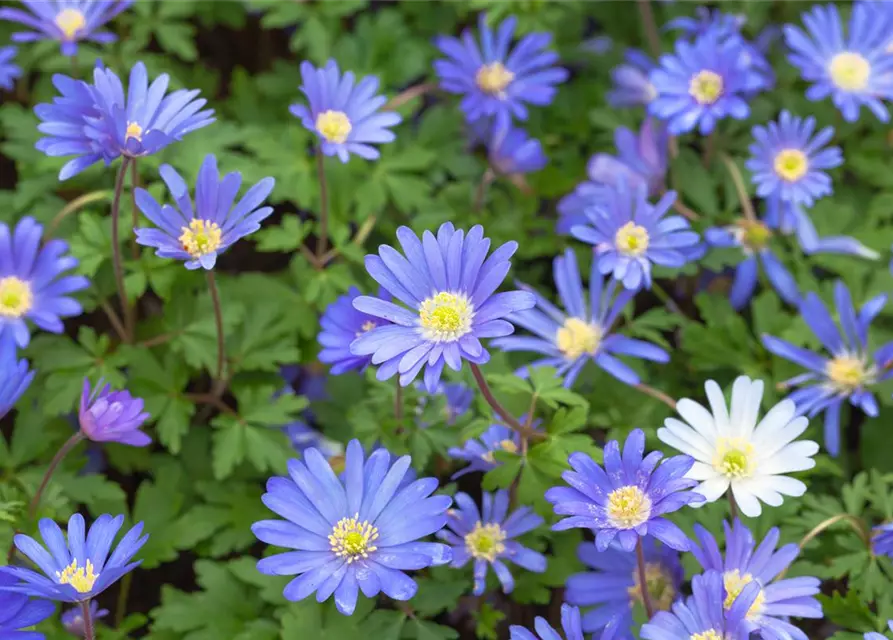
<point x="628" y="498"/>
<point x="32" y="286"/>
<point x="73" y="619"/>
<point x="883" y="540"/>
<point x="341" y="325"/>
<point x="14" y="376"/>
<point x="198" y="235"/>
<point x="486" y="538"/>
<point x="68" y="21"/>
<point x="112" y="416"/>
<point x="572" y="207"/>
<point x="9" y="71"/>
<point x="342" y="114"/>
<point x="478" y="452"/>
<point x="19" y="612"/>
<point x="792" y="218"/>
<point x="511" y="151"/>
<point x="630" y="84"/>
<point x="641" y="159"/>
<point x="570" y="624"/>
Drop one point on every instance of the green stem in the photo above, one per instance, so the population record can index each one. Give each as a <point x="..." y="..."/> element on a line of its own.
<point x="323" y="243"/>
<point x="510" y="421"/>
<point x="116" y="250"/>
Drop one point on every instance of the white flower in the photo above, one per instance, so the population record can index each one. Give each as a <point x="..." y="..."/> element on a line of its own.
<point x="735" y="450"/>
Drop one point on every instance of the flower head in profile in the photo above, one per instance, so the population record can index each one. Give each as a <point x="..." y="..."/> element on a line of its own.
<point x="745" y="564"/>
<point x="15" y="377"/>
<point x="613" y="586"/>
<point x="848" y="372"/>
<point x="628" y="498"/>
<point x="343" y="113"/>
<point x="789" y="162"/>
<point x="341" y="325"/>
<point x="356" y="533"/>
<point x="486" y="538"/>
<point x="67" y="21"/>
<point x="197" y="232"/>
<point x="734" y="452"/>
<point x="496" y="79"/>
<point x="32" y="284"/>
<point x="570" y="625"/>
<point x="9" y="71"/>
<point x="703" y="616"/>
<point x="882" y="542"/>
<point x="73" y="619"/>
<point x="572" y="207"/>
<point x="582" y="332"/>
<point x="878" y="636"/>
<point x="854" y="69"/>
<point x="78" y="568"/>
<point x="19" y="612"/>
<point x="448" y="285"/>
<point x="512" y="152"/>
<point x="629" y="235"/>
<point x="630" y="84"/>
<point x="112" y="416"/>
<point x="790" y="218"/>
<point x="641" y="160"/>
<point x="702" y="83"/>
<point x="478" y="452"/>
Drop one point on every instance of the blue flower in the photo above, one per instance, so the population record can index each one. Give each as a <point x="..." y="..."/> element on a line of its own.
<point x="478" y="452"/>
<point x="792" y="218"/>
<point x="878" y="636"/>
<point x="851" y="370"/>
<point x="494" y="80"/>
<point x="630" y="84"/>
<point x="854" y="70"/>
<point x="356" y="533"/>
<point x="342" y="113"/>
<point x="702" y="83"/>
<point x="570" y="624"/>
<point x="18" y="612"/>
<point x="112" y="416"/>
<point x="448" y="284"/>
<point x="883" y="540"/>
<point x="199" y="234"/>
<point x="614" y="587"/>
<point x="14" y="376"/>
<point x="789" y="162"/>
<point x="569" y="339"/>
<point x="630" y="234"/>
<point x="511" y="152"/>
<point x="572" y="207"/>
<point x="753" y="238"/>
<point x="32" y="286"/>
<point x="73" y="619"/>
<point x="703" y="616"/>
<point x="9" y="71"/>
<point x="641" y="159"/>
<point x="68" y="21"/>
<point x="77" y="569"/>
<point x="341" y="325"/>
<point x="486" y="537"/>
<point x="745" y="563"/>
<point x="628" y="498"/>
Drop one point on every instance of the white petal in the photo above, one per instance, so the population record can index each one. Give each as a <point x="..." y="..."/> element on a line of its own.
<point x="796" y="456"/>
<point x="717" y="405"/>
<point x="747" y="502"/>
<point x="784" y="485"/>
<point x="698" y="417"/>
<point x="682" y="437"/>
<point x="738" y="408"/>
<point x="763" y="489"/>
<point x="768" y="444"/>
<point x="713" y="489"/>
<point x="700" y="471"/>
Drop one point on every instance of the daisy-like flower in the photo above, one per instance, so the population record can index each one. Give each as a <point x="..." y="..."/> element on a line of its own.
<point x="753" y="238"/>
<point x="485" y="537"/>
<point x="341" y="325"/>
<point x="855" y="70"/>
<point x="78" y="568"/>
<point x="112" y="416"/>
<point x="850" y="371"/>
<point x="344" y="113"/>
<point x="570" y="625"/>
<point x="745" y="564"/>
<point x="199" y="234"/>
<point x="702" y="83"/>
<point x="703" y="616"/>
<point x="630" y="84"/>
<point x="9" y="71"/>
<point x="512" y="152"/>
<point x="448" y="283"/>
<point x="641" y="159"/>
<point x="614" y="586"/>
<point x="357" y="533"/>
<point x="19" y="612"/>
<point x="73" y="619"/>
<point x="15" y="377"/>
<point x="882" y="543"/>
<point x="628" y="498"/>
<point x="878" y="636"/>
<point x="732" y="450"/>
<point x="788" y="161"/>
<point x="497" y="81"/>
<point x="32" y="284"/>
<point x="98" y="122"/>
<point x="582" y="333"/>
<point x="67" y="21"/>
<point x="478" y="452"/>
<point x="629" y="234"/>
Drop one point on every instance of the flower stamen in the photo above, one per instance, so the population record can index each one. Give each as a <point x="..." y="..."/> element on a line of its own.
<point x="15" y="297"/>
<point x="849" y="71"/>
<point x="446" y="317"/>
<point x="81" y="578"/>
<point x="494" y="78"/>
<point x="70" y="21"/>
<point x="201" y="238"/>
<point x="577" y="337"/>
<point x="734" y="458"/>
<point x="734" y="583"/>
<point x="485" y="541"/>
<point x="628" y="507"/>
<point x="352" y="540"/>
<point x="847" y="373"/>
<point x="791" y="164"/>
<point x="334" y="126"/>
<point x="706" y="87"/>
<point x="632" y="240"/>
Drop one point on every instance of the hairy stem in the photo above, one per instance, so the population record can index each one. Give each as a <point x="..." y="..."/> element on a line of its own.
<point x="733" y="505"/>
<point x="656" y="394"/>
<point x="643" y="581"/>
<point x="88" y="621"/>
<point x="649" y="24"/>
<point x="323" y="243"/>
<point x="743" y="198"/>
<point x="526" y="432"/>
<point x="116" y="250"/>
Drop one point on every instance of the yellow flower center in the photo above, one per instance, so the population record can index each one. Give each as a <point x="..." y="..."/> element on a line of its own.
<point x="628" y="507"/>
<point x="631" y="240"/>
<point x="735" y="583"/>
<point x="337" y="463"/>
<point x="508" y="445"/>
<point x="791" y="164"/>
<point x="485" y="541"/>
<point x="577" y="337"/>
<point x="369" y="325"/>
<point x="70" y="21"/>
<point x="15" y="297"/>
<point x="351" y="539"/>
<point x="847" y="373"/>
<point x="734" y="457"/>
<point x="134" y="130"/>
<point x="705" y="87"/>
<point x="659" y="584"/>
<point x="849" y="71"/>
<point x="753" y="234"/>
<point x="446" y="317"/>
<point x="81" y="578"/>
<point x="201" y="238"/>
<point x="334" y="126"/>
<point x="493" y="78"/>
<point x="710" y="634"/>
